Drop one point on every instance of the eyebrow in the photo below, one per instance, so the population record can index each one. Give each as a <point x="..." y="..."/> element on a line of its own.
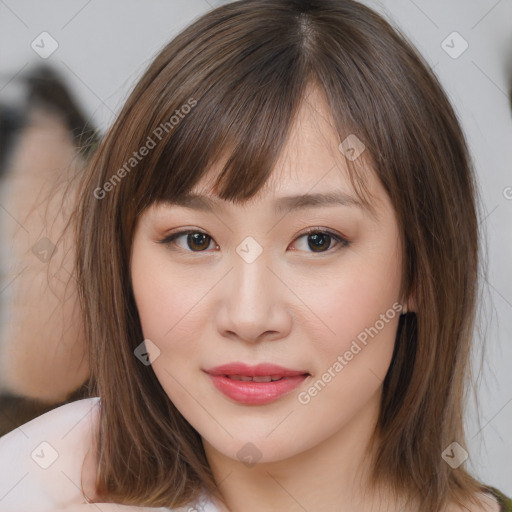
<point x="297" y="202"/>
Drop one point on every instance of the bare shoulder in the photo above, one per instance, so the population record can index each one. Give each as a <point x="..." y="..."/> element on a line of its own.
<point x="46" y="462"/>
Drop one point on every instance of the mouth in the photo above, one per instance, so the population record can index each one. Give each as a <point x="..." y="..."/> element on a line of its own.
<point x="267" y="371"/>
<point x="263" y="378"/>
<point x="255" y="385"/>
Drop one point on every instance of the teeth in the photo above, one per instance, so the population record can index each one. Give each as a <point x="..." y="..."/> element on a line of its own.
<point x="262" y="379"/>
<point x="255" y="379"/>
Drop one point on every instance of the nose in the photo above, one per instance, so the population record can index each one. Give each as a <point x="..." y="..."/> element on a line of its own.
<point x="253" y="303"/>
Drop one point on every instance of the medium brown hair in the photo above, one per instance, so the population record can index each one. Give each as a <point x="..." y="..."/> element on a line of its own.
<point x="243" y="69"/>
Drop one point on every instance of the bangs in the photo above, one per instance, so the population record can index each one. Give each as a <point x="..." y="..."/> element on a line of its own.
<point x="242" y="117"/>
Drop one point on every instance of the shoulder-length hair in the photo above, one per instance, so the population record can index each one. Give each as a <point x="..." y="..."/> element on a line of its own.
<point x="230" y="85"/>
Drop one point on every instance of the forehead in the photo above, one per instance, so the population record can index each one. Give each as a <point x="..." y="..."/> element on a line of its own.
<point x="312" y="162"/>
<point x="311" y="169"/>
<point x="286" y="191"/>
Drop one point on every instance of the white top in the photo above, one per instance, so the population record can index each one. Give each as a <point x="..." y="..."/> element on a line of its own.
<point x="203" y="505"/>
<point x="41" y="462"/>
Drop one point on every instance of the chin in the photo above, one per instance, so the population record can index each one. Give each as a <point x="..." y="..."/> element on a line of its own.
<point x="259" y="448"/>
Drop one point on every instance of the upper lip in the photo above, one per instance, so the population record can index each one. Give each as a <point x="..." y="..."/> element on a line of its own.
<point x="260" y="370"/>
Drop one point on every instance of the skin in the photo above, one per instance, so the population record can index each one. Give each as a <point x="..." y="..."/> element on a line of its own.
<point x="207" y="308"/>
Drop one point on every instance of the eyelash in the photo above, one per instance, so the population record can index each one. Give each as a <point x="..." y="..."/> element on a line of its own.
<point x="343" y="242"/>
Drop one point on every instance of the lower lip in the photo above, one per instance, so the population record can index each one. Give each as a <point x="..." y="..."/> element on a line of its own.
<point x="255" y="393"/>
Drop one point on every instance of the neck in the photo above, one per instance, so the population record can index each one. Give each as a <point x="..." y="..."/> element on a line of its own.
<point x="332" y="476"/>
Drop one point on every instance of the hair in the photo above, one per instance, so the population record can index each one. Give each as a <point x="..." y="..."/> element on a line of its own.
<point x="230" y="85"/>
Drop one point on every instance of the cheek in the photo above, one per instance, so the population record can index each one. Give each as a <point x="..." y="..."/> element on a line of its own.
<point x="360" y="311"/>
<point x="158" y="307"/>
<point x="361" y="302"/>
<point x="171" y="306"/>
<point x="169" y="309"/>
<point x="353" y="355"/>
<point x="165" y="299"/>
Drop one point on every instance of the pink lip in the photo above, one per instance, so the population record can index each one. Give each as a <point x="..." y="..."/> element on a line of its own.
<point x="260" y="370"/>
<point x="255" y="393"/>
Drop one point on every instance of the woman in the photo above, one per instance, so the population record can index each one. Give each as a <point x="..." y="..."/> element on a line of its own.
<point x="277" y="258"/>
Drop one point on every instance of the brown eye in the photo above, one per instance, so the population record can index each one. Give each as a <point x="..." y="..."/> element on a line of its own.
<point x="320" y="241"/>
<point x="198" y="241"/>
<point x="195" y="241"/>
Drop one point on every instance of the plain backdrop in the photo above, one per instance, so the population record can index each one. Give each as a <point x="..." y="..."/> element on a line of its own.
<point x="103" y="47"/>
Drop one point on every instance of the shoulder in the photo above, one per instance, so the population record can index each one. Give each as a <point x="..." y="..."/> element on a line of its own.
<point x="487" y="502"/>
<point x="504" y="501"/>
<point x="41" y="461"/>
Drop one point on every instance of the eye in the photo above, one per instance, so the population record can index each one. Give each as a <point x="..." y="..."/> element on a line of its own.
<point x="318" y="240"/>
<point x="195" y="240"/>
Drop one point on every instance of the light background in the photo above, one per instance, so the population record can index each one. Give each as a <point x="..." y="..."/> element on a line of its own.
<point x="103" y="47"/>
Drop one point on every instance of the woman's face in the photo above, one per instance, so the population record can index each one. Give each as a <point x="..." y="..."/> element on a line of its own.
<point x="250" y="286"/>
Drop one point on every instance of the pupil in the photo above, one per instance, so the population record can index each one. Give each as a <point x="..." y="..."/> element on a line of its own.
<point x="319" y="240"/>
<point x="194" y="238"/>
